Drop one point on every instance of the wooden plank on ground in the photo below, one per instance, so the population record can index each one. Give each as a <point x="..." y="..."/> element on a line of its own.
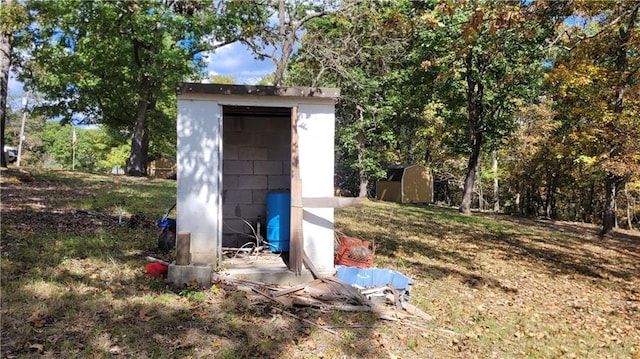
<point x="295" y="288"/>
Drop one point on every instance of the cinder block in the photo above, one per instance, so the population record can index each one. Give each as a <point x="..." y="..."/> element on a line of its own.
<point x="267" y="167"/>
<point x="230" y="240"/>
<point x="179" y="276"/>
<point x="236" y="196"/>
<point x="230" y="153"/>
<point x="238" y="124"/>
<point x="230" y="210"/>
<point x="280" y="124"/>
<point x="279" y="182"/>
<point x="252" y="182"/>
<point x="253" y="124"/>
<point x="263" y="139"/>
<point x="259" y="196"/>
<point x="282" y="138"/>
<point x="279" y="154"/>
<point x="244" y="211"/>
<point x="235" y="226"/>
<point x="252" y="153"/>
<point x="230" y="182"/>
<point x="250" y="212"/>
<point x="234" y="139"/>
<point x="237" y="167"/>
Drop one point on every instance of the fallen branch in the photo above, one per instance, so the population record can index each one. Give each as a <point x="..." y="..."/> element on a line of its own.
<point x="96" y="214"/>
<point x="308" y="321"/>
<point x="412" y="309"/>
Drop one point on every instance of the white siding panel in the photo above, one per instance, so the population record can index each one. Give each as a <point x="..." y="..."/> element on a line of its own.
<point x="316" y="126"/>
<point x="199" y="205"/>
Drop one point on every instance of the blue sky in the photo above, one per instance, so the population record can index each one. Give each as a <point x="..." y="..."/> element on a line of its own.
<point x="237" y="60"/>
<point x="232" y="60"/>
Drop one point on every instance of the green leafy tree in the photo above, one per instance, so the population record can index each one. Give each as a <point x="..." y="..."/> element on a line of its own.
<point x="277" y="40"/>
<point x="483" y="57"/>
<point x="97" y="150"/>
<point x="355" y="49"/>
<point x="32" y="145"/>
<point x="595" y="81"/>
<point x="12" y="16"/>
<point x="220" y="79"/>
<point x="116" y="62"/>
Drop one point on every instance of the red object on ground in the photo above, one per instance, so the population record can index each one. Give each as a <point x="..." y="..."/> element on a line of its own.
<point x="156" y="269"/>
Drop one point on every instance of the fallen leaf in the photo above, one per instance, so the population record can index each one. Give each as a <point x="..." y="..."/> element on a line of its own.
<point x="34" y="316"/>
<point x="38" y="323"/>
<point x="115" y="350"/>
<point x="311" y="344"/>
<point x="37" y="347"/>
<point x="53" y="339"/>
<point x="144" y="316"/>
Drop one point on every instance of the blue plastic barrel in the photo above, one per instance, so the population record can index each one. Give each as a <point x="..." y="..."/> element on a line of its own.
<point x="278" y="220"/>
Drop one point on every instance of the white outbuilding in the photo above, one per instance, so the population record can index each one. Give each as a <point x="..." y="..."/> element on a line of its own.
<point x="240" y="145"/>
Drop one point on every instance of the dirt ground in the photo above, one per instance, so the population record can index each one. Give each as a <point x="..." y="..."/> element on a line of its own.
<point x="73" y="284"/>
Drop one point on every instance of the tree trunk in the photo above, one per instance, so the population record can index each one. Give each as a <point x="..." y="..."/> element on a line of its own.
<point x="364" y="181"/>
<point x="590" y="207"/>
<point x="5" y="65"/>
<point x="137" y="161"/>
<point x="465" y="206"/>
<point x="609" y="214"/>
<point x="628" y="199"/>
<point x="429" y="149"/>
<point x="364" y="184"/>
<point x="622" y="64"/>
<point x="480" y="190"/>
<point x="496" y="192"/>
<point x="287" y="39"/>
<point x="550" y="200"/>
<point x="475" y="94"/>
<point x="361" y="149"/>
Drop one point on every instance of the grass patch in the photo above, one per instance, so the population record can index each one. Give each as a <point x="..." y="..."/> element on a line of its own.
<point x="73" y="284"/>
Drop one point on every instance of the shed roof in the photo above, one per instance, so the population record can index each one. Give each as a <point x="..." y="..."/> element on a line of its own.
<point x="222" y="89"/>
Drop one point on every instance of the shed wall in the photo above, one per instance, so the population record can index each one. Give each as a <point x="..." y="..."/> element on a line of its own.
<point x="200" y="171"/>
<point x="414" y="186"/>
<point x="390" y="191"/>
<point x="417" y="185"/>
<point x="256" y="159"/>
<point x="316" y="126"/>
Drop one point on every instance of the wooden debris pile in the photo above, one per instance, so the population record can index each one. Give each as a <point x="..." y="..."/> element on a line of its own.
<point x="327" y="294"/>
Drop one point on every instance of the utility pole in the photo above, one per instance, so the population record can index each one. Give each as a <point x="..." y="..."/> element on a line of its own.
<point x="25" y="101"/>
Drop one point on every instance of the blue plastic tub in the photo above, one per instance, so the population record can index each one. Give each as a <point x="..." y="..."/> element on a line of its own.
<point x="278" y="220"/>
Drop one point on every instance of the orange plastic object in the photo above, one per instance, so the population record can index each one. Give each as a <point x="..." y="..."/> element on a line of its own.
<point x="344" y="254"/>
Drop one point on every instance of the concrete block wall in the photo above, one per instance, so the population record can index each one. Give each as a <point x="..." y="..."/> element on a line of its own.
<point x="256" y="159"/>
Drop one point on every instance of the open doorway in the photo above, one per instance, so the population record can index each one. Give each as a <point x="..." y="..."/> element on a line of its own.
<point x="256" y="161"/>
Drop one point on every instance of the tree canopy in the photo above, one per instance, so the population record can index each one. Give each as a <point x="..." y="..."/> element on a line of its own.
<point x="115" y="63"/>
<point x="536" y="102"/>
